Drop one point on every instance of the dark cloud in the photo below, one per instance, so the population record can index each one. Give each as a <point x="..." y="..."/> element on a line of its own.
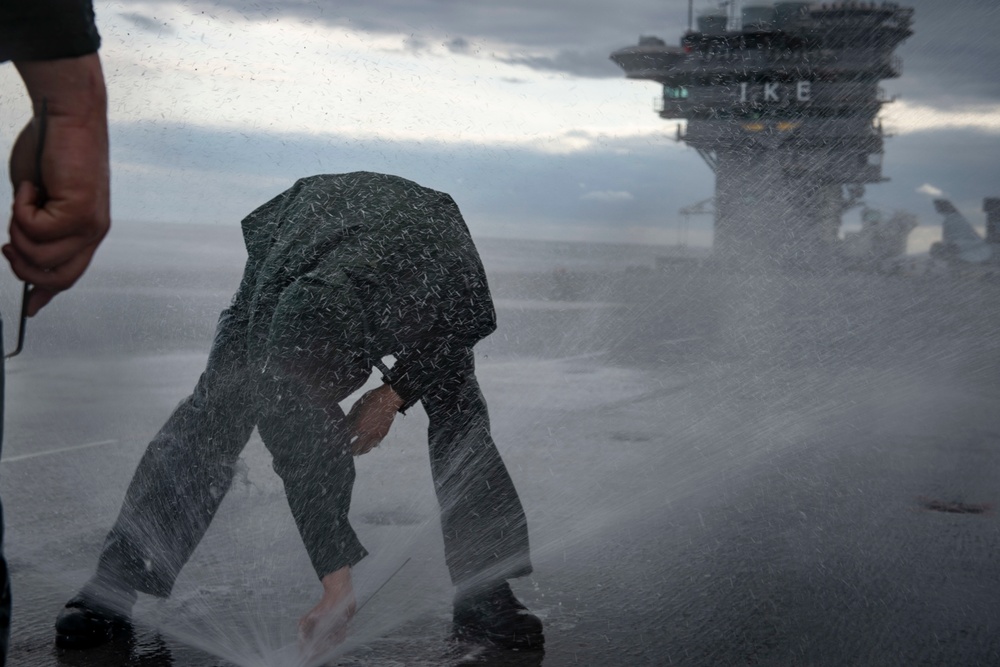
<point x="149" y="24"/>
<point x="220" y="176"/>
<point x="178" y="172"/>
<point x="962" y="163"/>
<point x="586" y="31"/>
<point x="953" y="56"/>
<point x="593" y="64"/>
<point x="415" y="44"/>
<point x="950" y="60"/>
<point x="459" y="45"/>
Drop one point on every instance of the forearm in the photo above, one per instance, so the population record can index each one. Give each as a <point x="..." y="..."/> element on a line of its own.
<point x="54" y="237"/>
<point x="70" y="87"/>
<point x="337" y="582"/>
<point x="73" y="92"/>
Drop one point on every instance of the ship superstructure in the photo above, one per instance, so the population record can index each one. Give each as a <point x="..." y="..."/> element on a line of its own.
<point x="782" y="103"/>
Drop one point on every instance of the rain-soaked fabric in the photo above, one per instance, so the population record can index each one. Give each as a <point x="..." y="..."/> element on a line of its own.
<point x="319" y="301"/>
<point x="393" y="261"/>
<point x="485" y="531"/>
<point x="47" y="29"/>
<point x="188" y="467"/>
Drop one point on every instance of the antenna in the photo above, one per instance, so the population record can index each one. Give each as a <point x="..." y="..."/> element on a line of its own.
<point x="735" y="16"/>
<point x="690" y="15"/>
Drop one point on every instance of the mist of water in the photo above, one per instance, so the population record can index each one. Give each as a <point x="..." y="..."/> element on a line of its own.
<point x="632" y="407"/>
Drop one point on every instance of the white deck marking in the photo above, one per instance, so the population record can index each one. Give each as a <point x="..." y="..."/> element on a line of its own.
<point x="86" y="445"/>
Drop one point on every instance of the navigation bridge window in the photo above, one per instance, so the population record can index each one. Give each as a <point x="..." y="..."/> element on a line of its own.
<point x="672" y="93"/>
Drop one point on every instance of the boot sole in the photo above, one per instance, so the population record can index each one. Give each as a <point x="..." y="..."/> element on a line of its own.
<point x="83" y="641"/>
<point x="532" y="642"/>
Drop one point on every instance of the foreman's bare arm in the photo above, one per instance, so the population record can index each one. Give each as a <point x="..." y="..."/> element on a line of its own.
<point x="51" y="245"/>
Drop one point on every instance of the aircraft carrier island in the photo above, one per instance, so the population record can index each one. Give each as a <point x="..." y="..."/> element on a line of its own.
<point x="782" y="103"/>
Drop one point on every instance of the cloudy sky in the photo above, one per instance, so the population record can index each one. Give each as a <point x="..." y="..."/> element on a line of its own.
<point x="511" y="105"/>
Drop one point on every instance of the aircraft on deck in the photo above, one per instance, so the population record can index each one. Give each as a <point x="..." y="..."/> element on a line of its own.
<point x="960" y="242"/>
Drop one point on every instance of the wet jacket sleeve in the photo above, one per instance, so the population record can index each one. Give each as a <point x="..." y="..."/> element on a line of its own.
<point x="47" y="29"/>
<point x="418" y="368"/>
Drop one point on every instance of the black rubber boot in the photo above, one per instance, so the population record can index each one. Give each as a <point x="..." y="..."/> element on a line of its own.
<point x="495" y="616"/>
<point x="91" y="618"/>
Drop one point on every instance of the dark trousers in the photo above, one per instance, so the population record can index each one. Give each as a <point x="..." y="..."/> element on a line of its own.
<point x="188" y="468"/>
<point x="4" y="574"/>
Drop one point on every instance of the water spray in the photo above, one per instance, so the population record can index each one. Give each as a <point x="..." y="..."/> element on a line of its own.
<point x="384" y="583"/>
<point x="309" y="653"/>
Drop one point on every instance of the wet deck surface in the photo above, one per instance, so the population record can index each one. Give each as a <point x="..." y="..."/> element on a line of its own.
<point x="707" y="510"/>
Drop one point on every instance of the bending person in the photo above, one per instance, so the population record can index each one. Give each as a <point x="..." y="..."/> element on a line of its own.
<point x="342" y="270"/>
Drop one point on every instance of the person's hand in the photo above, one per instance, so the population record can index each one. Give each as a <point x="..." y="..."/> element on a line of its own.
<point x="371" y="418"/>
<point x="325" y="625"/>
<point x="52" y="244"/>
